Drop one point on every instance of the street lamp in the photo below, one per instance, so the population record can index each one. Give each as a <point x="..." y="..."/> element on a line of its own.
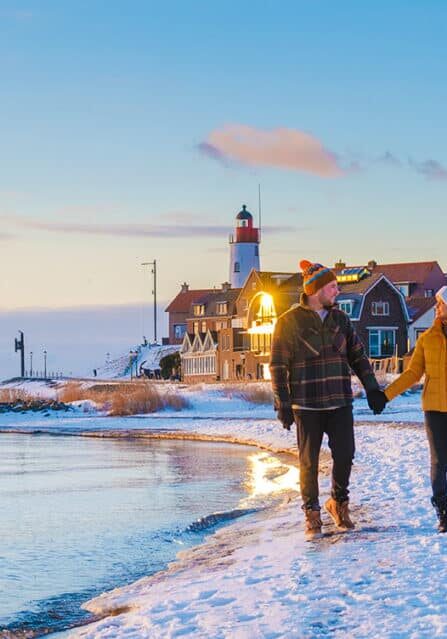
<point x="31" y="363"/>
<point x="154" y="292"/>
<point x="45" y="364"/>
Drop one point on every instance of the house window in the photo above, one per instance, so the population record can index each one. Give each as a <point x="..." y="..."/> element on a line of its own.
<point x="380" y="308"/>
<point x="237" y="267"/>
<point x="179" y="331"/>
<point x="346" y="307"/>
<point x="429" y="292"/>
<point x="199" y="309"/>
<point x="196" y="327"/>
<point x="222" y="308"/>
<point x="382" y="342"/>
<point x="404" y="289"/>
<point x="203" y="327"/>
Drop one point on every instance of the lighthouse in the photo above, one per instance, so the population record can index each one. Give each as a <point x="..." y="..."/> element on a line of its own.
<point x="244" y="248"/>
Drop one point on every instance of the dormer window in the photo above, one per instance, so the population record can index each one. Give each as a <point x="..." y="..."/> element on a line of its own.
<point x="404" y="289"/>
<point x="346" y="306"/>
<point x="221" y="308"/>
<point x="199" y="309"/>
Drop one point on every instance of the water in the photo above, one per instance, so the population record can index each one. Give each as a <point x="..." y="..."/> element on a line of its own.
<point x="84" y="515"/>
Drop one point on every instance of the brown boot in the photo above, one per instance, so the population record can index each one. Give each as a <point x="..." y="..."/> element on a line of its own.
<point x="313" y="523"/>
<point x="339" y="512"/>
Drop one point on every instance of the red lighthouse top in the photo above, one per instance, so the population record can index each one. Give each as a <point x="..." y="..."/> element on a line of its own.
<point x="245" y="232"/>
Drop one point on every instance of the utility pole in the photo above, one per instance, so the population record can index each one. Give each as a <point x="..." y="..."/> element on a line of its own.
<point x="154" y="292"/>
<point x="20" y="346"/>
<point x="45" y="363"/>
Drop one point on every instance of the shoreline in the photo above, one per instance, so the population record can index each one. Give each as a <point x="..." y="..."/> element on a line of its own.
<point x="198" y="552"/>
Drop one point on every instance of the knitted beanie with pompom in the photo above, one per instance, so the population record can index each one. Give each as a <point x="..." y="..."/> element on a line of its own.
<point x="315" y="276"/>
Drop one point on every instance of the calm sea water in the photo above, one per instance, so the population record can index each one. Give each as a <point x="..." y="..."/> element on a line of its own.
<point x="84" y="515"/>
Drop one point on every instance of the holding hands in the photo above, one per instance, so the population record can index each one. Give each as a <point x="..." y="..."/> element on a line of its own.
<point x="377" y="400"/>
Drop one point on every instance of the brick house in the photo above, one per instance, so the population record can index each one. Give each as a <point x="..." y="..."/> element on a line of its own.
<point x="179" y="310"/>
<point x="207" y="335"/>
<point x="418" y="282"/>
<point x="377" y="309"/>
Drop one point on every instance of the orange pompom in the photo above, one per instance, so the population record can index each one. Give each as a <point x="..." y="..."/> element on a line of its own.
<point x="304" y="265"/>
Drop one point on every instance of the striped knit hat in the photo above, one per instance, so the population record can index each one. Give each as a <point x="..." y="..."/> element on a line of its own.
<point x="315" y="276"/>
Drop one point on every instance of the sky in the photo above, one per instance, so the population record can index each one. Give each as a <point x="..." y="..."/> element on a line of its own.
<point x="135" y="131"/>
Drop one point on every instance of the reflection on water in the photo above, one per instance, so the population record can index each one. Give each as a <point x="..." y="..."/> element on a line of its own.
<point x="268" y="475"/>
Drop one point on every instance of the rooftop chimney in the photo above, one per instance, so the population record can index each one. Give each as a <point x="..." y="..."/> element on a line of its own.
<point x="372" y="264"/>
<point x="226" y="286"/>
<point x="340" y="264"/>
<point x="185" y="287"/>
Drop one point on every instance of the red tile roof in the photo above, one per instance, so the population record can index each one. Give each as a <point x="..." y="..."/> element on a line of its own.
<point x="403" y="271"/>
<point x="182" y="302"/>
<point x="407" y="272"/>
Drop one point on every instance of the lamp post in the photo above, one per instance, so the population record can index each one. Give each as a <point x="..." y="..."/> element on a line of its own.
<point x="31" y="363"/>
<point x="154" y="293"/>
<point x="45" y="364"/>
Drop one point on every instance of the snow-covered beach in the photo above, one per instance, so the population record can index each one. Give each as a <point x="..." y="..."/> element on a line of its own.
<point x="257" y="577"/>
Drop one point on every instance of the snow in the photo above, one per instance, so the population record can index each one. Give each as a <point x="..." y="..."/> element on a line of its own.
<point x="148" y="357"/>
<point x="258" y="577"/>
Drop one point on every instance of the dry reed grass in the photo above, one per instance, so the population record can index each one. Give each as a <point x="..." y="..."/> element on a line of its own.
<point x="124" y="399"/>
<point x="10" y="396"/>
<point x="255" y="393"/>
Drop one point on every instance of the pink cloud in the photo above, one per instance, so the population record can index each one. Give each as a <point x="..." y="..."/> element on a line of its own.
<point x="283" y="148"/>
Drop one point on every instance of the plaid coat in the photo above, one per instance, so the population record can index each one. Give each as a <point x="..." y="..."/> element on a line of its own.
<point x="311" y="360"/>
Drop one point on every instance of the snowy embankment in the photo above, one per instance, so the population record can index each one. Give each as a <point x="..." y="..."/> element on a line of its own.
<point x="258" y="578"/>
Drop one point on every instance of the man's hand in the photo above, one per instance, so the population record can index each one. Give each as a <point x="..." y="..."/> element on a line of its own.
<point x="377" y="400"/>
<point x="285" y="416"/>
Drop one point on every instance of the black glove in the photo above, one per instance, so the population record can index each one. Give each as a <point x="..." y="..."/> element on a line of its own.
<point x="285" y="416"/>
<point x="376" y="400"/>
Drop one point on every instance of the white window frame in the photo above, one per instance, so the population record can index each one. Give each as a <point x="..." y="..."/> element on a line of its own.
<point x="375" y="306"/>
<point x="379" y="330"/>
<point x="345" y="305"/>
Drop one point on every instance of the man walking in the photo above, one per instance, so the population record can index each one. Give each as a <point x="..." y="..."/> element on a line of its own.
<point x="314" y="348"/>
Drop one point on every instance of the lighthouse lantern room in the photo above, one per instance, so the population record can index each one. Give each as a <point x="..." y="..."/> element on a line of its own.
<point x="244" y="248"/>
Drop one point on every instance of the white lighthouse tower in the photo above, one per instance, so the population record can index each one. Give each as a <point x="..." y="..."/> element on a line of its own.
<point x="244" y="248"/>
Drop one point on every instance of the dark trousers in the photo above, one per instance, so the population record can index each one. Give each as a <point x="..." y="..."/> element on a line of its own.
<point x="311" y="426"/>
<point x="436" y="429"/>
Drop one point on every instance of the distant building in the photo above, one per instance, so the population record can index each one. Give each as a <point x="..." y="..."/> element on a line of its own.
<point x="179" y="310"/>
<point x="206" y="337"/>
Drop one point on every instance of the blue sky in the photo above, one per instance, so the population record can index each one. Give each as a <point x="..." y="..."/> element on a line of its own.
<point x="107" y="107"/>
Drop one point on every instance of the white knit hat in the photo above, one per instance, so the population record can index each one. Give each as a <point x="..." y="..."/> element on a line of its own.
<point x="442" y="294"/>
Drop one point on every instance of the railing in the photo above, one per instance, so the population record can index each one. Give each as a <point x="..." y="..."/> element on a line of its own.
<point x="387" y="365"/>
<point x="43" y="375"/>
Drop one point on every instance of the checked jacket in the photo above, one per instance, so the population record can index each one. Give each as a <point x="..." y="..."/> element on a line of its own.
<point x="311" y="360"/>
